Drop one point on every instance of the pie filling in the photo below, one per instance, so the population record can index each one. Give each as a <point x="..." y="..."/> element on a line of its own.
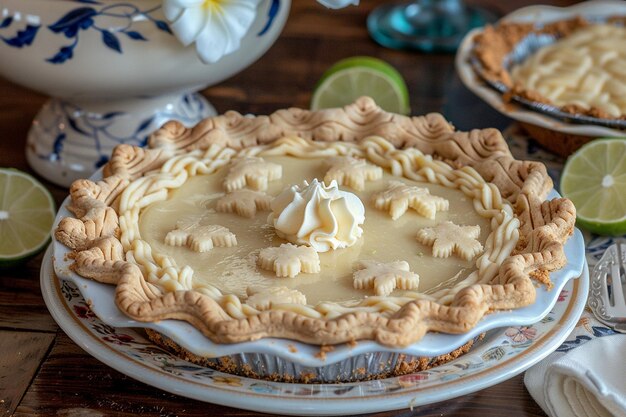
<point x="382" y="269"/>
<point x="234" y="269"/>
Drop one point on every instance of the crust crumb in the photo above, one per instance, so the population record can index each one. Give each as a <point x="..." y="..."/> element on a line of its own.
<point x="542" y="276"/>
<point x="307" y="377"/>
<point x="324" y="349"/>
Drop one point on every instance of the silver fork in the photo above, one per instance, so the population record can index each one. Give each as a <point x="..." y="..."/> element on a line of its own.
<point x="607" y="287"/>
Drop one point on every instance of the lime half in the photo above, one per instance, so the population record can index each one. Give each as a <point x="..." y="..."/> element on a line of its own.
<point x="359" y="76"/>
<point x="26" y="217"/>
<point x="594" y="178"/>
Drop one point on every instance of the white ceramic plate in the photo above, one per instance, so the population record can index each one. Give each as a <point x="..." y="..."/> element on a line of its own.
<point x="502" y="354"/>
<point x="433" y="344"/>
<point x="537" y="14"/>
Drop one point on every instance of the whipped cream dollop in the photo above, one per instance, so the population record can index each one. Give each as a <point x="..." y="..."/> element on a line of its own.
<point x="320" y="216"/>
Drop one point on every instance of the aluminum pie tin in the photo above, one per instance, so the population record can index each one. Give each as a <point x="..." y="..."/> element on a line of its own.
<point x="360" y="367"/>
<point x="524" y="49"/>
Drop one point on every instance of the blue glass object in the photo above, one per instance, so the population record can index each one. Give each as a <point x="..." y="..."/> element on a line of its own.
<point x="425" y="25"/>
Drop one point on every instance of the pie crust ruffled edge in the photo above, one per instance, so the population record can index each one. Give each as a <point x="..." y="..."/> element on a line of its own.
<point x="495" y="42"/>
<point x="92" y="235"/>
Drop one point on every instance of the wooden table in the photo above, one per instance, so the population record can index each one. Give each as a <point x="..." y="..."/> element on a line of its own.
<point x="43" y="373"/>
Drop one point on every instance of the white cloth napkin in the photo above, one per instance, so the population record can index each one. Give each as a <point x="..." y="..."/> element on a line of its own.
<point x="585" y="377"/>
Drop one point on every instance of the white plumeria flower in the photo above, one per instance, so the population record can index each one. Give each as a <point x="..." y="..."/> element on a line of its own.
<point x="338" y="4"/>
<point x="216" y="26"/>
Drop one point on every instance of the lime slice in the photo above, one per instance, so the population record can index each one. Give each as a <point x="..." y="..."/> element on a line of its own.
<point x="26" y="217"/>
<point x="359" y="76"/>
<point x="594" y="178"/>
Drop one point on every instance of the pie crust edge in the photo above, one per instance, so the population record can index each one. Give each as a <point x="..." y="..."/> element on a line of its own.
<point x="93" y="233"/>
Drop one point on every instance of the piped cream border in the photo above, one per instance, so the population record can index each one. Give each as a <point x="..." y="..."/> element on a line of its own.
<point x="93" y="234"/>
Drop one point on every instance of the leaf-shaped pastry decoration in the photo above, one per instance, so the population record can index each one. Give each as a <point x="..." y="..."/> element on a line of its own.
<point x="289" y="260"/>
<point x="244" y="202"/>
<point x="200" y="238"/>
<point x="265" y="298"/>
<point x="385" y="277"/>
<point x="352" y="172"/>
<point x="448" y="237"/>
<point x="398" y="197"/>
<point x="251" y="172"/>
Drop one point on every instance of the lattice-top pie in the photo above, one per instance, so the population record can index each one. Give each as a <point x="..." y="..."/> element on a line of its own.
<point x="324" y="227"/>
<point x="581" y="72"/>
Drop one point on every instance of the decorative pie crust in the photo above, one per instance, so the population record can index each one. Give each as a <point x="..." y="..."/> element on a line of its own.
<point x="495" y="43"/>
<point x="95" y="237"/>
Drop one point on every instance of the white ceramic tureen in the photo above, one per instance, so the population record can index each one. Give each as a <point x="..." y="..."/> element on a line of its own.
<point x="118" y="69"/>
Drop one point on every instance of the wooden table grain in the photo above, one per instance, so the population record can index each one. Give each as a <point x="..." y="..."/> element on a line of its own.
<point x="43" y="373"/>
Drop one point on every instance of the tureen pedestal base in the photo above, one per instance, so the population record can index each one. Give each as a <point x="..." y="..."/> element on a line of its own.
<point x="69" y="140"/>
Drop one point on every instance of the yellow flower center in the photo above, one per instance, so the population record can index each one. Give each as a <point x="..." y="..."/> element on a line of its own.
<point x="214" y="5"/>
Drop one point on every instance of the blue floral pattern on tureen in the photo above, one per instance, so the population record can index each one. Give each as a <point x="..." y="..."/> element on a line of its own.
<point x="16" y="34"/>
<point x="67" y="118"/>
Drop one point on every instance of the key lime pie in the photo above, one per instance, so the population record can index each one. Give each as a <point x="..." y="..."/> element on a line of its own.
<point x="325" y="227"/>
